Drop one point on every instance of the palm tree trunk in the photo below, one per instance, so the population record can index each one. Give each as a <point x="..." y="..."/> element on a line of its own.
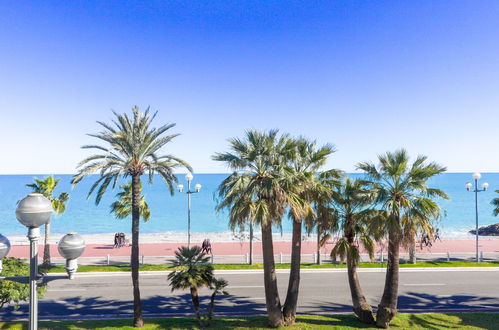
<point x="270" y="280"/>
<point x="251" y="243"/>
<point x="138" y="320"/>
<point x="46" y="248"/>
<point x="291" y="303"/>
<point x="318" y="246"/>
<point x="195" y="304"/>
<point x="387" y="309"/>
<point x="412" y="250"/>
<point x="212" y="306"/>
<point x="360" y="306"/>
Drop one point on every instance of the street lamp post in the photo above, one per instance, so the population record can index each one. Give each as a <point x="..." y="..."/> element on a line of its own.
<point x="485" y="186"/>
<point x="197" y="187"/>
<point x="34" y="211"/>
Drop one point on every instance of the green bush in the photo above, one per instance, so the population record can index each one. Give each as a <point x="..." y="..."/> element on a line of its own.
<point x="12" y="293"/>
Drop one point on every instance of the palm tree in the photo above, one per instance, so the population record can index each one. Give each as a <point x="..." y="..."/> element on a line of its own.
<point x="307" y="161"/>
<point x="403" y="194"/>
<point x="122" y="208"/>
<point x="218" y="286"/>
<point x="194" y="272"/>
<point x="495" y="203"/>
<point x="261" y="188"/>
<point x="323" y="219"/>
<point x="351" y="202"/>
<point x="47" y="187"/>
<point x="132" y="147"/>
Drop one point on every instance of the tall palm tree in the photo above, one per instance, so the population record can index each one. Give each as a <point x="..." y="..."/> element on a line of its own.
<point x="495" y="203"/>
<point x="131" y="150"/>
<point x="46" y="187"/>
<point x="307" y="161"/>
<point x="261" y="187"/>
<point x="122" y="208"/>
<point x="403" y="194"/>
<point x="351" y="203"/>
<point x="193" y="272"/>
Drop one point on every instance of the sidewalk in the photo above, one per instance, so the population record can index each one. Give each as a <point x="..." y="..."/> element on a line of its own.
<point x="236" y="252"/>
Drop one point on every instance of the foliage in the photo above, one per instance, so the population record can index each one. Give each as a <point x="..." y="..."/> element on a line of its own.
<point x="11" y="292"/>
<point x="132" y="149"/>
<point x="351" y="201"/>
<point x="402" y="192"/>
<point x="495" y="203"/>
<point x="122" y="208"/>
<point x="193" y="271"/>
<point x="262" y="185"/>
<point x="46" y="187"/>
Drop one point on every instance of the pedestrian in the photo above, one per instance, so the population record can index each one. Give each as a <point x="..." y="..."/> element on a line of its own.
<point x="208" y="247"/>
<point x="122" y="239"/>
<point x="116" y="240"/>
<point x="204" y="246"/>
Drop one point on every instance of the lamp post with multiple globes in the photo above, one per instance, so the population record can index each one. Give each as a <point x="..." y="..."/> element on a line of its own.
<point x="34" y="211"/>
<point x="485" y="186"/>
<point x="197" y="187"/>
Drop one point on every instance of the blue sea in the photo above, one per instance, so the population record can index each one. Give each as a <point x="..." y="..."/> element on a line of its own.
<point x="169" y="213"/>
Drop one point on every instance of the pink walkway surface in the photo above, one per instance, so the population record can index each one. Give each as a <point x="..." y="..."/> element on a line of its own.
<point x="237" y="248"/>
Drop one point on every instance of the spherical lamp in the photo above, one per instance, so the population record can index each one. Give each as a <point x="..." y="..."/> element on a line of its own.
<point x="34" y="210"/>
<point x="70" y="247"/>
<point x="4" y="248"/>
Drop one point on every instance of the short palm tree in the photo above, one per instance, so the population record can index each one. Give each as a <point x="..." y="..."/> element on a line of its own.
<point x="218" y="286"/>
<point x="351" y="203"/>
<point x="132" y="148"/>
<point x="122" y="208"/>
<point x="403" y="194"/>
<point x="262" y="187"/>
<point x="193" y="271"/>
<point x="495" y="203"/>
<point x="46" y="187"/>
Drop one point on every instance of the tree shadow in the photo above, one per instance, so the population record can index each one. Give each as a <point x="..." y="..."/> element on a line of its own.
<point x="156" y="306"/>
<point x="427" y="302"/>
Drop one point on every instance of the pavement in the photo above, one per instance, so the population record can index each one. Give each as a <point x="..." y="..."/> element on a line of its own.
<point x="322" y="291"/>
<point x="237" y="252"/>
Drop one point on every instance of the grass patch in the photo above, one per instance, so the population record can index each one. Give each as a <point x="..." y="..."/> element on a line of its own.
<point x="402" y="321"/>
<point x="126" y="267"/>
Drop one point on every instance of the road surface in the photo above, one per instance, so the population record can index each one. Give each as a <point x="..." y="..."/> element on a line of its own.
<point x="322" y="291"/>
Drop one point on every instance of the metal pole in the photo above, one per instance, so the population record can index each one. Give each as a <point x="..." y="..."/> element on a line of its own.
<point x="476" y="213"/>
<point x="33" y="235"/>
<point x="189" y="214"/>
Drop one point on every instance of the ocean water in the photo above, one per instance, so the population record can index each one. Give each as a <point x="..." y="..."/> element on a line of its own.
<point x="169" y="213"/>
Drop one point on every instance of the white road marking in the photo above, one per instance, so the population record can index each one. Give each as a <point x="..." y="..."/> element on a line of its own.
<point x="244" y="286"/>
<point x="65" y="290"/>
<point x="424" y="284"/>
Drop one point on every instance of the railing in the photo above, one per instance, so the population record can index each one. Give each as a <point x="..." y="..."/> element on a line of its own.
<point x="282" y="258"/>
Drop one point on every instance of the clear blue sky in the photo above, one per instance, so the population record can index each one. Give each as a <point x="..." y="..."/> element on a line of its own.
<point x="368" y="76"/>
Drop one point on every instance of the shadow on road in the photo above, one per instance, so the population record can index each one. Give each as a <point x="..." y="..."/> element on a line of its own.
<point x="419" y="301"/>
<point x="161" y="305"/>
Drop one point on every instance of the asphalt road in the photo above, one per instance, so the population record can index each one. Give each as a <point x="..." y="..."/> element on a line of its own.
<point x="321" y="291"/>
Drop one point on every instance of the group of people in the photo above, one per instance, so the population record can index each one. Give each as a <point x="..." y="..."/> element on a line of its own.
<point x="119" y="240"/>
<point x="426" y="240"/>
<point x="206" y="246"/>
